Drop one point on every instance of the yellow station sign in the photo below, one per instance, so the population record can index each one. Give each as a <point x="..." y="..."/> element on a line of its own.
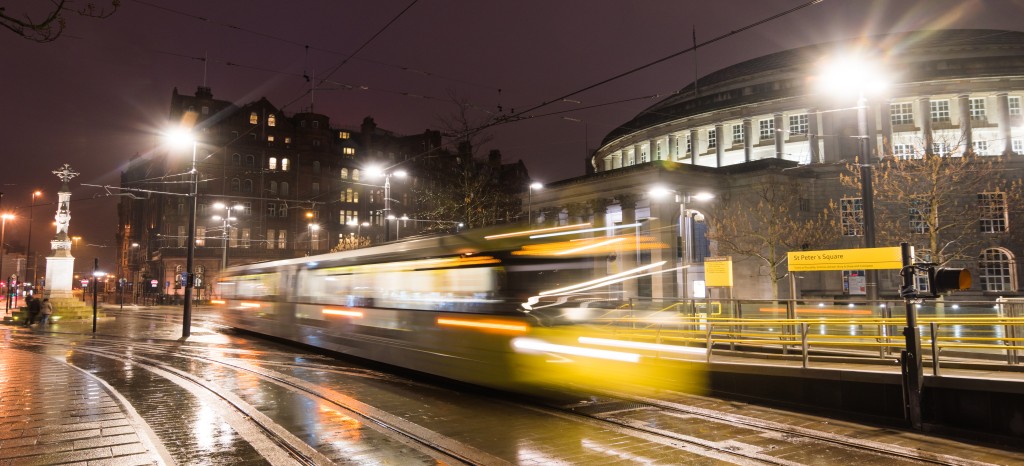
<point x="718" y="271"/>
<point x="846" y="259"/>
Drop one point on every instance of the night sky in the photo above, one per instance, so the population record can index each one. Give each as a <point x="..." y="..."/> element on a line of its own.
<point x="100" y="93"/>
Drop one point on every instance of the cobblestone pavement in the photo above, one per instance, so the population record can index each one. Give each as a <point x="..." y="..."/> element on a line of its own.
<point x="135" y="393"/>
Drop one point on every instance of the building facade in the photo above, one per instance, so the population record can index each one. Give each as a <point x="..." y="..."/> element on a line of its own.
<point x="951" y="93"/>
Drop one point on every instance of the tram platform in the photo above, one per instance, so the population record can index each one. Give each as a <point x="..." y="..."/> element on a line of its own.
<point x="128" y="395"/>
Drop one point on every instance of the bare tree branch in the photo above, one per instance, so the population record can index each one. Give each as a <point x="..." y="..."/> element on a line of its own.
<point x="52" y="22"/>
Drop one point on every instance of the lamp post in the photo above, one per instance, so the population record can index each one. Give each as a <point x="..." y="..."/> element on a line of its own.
<point x="376" y="171"/>
<point x="186" y="320"/>
<point x="685" y="228"/>
<point x="529" y="214"/>
<point x="3" y="233"/>
<point x="227" y="219"/>
<point x="28" y="250"/>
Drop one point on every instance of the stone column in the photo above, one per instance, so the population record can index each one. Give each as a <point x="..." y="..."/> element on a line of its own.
<point x="665" y="231"/>
<point x="626" y="254"/>
<point x="1003" y="111"/>
<point x="748" y="140"/>
<point x="673" y="147"/>
<point x="719" y="144"/>
<point x="638" y="150"/>
<point x="813" y="135"/>
<point x="779" y="136"/>
<point x="694" y="146"/>
<point x="925" y="106"/>
<point x="964" y="102"/>
<point x="617" y="159"/>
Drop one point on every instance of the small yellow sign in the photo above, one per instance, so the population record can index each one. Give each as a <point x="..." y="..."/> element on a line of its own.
<point x="846" y="259"/>
<point x="718" y="271"/>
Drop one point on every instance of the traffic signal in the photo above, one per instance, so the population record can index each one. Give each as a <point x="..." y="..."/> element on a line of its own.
<point x="944" y="279"/>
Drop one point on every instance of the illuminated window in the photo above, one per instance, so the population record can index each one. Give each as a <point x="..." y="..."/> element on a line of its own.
<point x="182" y="236"/>
<point x="287" y="140"/>
<point x="246" y="236"/>
<point x="200" y="235"/>
<point x="689" y="145"/>
<point x="766" y="129"/>
<point x="997" y="270"/>
<point x="284" y="188"/>
<point x="282" y="239"/>
<point x="712" y="139"/>
<point x="344" y="173"/>
<point x="247" y="208"/>
<point x="355" y="196"/>
<point x="254" y="118"/>
<point x="271" y="120"/>
<point x="992" y="207"/>
<point x="977" y="109"/>
<point x="798" y="124"/>
<point x="348" y="151"/>
<point x="272" y="163"/>
<point x="852" y="214"/>
<point x="355" y="174"/>
<point x="344" y="135"/>
<point x="271" y="233"/>
<point x="348" y="195"/>
<point x="738" y="134"/>
<point x="314" y="239"/>
<point x="1014" y="104"/>
<point x="902" y="113"/>
<point x="284" y="164"/>
<point x="270" y="138"/>
<point x="940" y="111"/>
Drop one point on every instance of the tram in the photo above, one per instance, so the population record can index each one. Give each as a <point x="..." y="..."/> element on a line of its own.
<point x="493" y="307"/>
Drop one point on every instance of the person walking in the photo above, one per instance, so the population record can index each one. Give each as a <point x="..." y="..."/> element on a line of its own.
<point x="33" y="305"/>
<point x="45" y="309"/>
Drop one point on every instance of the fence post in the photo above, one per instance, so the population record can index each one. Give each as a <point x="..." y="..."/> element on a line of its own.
<point x="804" y="347"/>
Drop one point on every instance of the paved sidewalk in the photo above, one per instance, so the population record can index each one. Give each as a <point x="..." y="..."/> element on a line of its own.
<point x="53" y="413"/>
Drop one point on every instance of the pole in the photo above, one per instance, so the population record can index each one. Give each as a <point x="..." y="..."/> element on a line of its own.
<point x="28" y="250"/>
<point x="186" y="319"/>
<point x="3" y="233"/>
<point x="95" y="289"/>
<point x="529" y="211"/>
<point x="910" y="358"/>
<point x="224" y="253"/>
<point x="387" y="207"/>
<point x="867" y="196"/>
<point x="122" y="283"/>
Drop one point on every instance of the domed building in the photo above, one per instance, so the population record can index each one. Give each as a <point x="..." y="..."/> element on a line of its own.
<point x="950" y="93"/>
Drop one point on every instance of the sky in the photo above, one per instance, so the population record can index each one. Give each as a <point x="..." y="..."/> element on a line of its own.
<point x="101" y="92"/>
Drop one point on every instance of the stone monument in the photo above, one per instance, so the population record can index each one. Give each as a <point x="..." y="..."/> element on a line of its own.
<point x="60" y="264"/>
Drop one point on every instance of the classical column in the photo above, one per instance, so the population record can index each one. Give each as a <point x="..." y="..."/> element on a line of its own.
<point x="719" y="144"/>
<point x="664" y="229"/>
<point x="617" y="159"/>
<point x="748" y="140"/>
<point x="694" y="146"/>
<point x="673" y="147"/>
<point x="778" y="135"/>
<point x="964" y="102"/>
<point x="925" y="104"/>
<point x="812" y="135"/>
<point x="1003" y="110"/>
<point x="626" y="254"/>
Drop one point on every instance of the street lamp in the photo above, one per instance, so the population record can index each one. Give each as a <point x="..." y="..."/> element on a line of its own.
<point x="376" y="172"/>
<point x="185" y="137"/>
<point x="227" y="218"/>
<point x="3" y="233"/>
<point x="28" y="251"/>
<point x="685" y="228"/>
<point x="534" y="185"/>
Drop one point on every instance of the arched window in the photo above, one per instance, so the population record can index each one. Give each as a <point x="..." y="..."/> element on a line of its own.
<point x="284" y="188"/>
<point x="344" y="173"/>
<point x="348" y="195"/>
<point x="247" y="186"/>
<point x="355" y="174"/>
<point x="271" y="120"/>
<point x="997" y="270"/>
<point x="272" y="163"/>
<point x="235" y="184"/>
<point x="236" y="160"/>
<point x="273" y="187"/>
<point x="284" y="165"/>
<point x="355" y="196"/>
<point x="250" y="161"/>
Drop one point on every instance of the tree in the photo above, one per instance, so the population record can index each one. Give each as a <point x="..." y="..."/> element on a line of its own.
<point x="765" y="222"/>
<point x="48" y="24"/>
<point x="943" y="204"/>
<point x="349" y="242"/>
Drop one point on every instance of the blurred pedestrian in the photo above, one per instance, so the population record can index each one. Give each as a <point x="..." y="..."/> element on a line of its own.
<point x="34" y="306"/>
<point x="45" y="309"/>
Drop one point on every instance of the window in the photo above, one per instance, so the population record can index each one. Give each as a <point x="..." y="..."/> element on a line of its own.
<point x="282" y="239"/>
<point x="236" y="160"/>
<point x="344" y="135"/>
<point x="270" y="138"/>
<point x="977" y="109"/>
<point x="205" y="110"/>
<point x="200" y="235"/>
<point x="233" y="239"/>
<point x="344" y="173"/>
<point x="1014" y="104"/>
<point x="253" y="118"/>
<point x="852" y="214"/>
<point x="315" y="188"/>
<point x="287" y="140"/>
<point x="766" y="129"/>
<point x="314" y="239"/>
<point x="236" y="184"/>
<point x="940" y="148"/>
<point x="273" y="187"/>
<point x="282" y="210"/>
<point x="901" y="113"/>
<point x="284" y="164"/>
<point x="981" y="148"/>
<point x="316" y="167"/>
<point x="940" y="111"/>
<point x="737" y="134"/>
<point x="689" y="145"/>
<point x="271" y="120"/>
<point x="181" y="207"/>
<point x="918" y="219"/>
<point x="712" y="139"/>
<point x="992" y="207"/>
<point x="316" y="124"/>
<point x="798" y="124"/>
<point x="355" y="196"/>
<point x="245" y="237"/>
<point x="348" y="217"/>
<point x="643" y="156"/>
<point x="347" y="196"/>
<point x="997" y="270"/>
<point x="284" y="188"/>
<point x="904" y="152"/>
<point x="271" y="210"/>
<point x="355" y="174"/>
<point x="182" y="236"/>
<point x="247" y="208"/>
<point x="1017" y="145"/>
<point x="247" y="186"/>
<point x="272" y="163"/>
<point x="348" y="151"/>
<point x="316" y="143"/>
<point x="271" y="233"/>
<point x="250" y="161"/>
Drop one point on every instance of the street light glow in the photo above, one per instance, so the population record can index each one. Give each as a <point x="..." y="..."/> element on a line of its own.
<point x="850" y="75"/>
<point x="536" y="185"/>
<point x="179" y="137"/>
